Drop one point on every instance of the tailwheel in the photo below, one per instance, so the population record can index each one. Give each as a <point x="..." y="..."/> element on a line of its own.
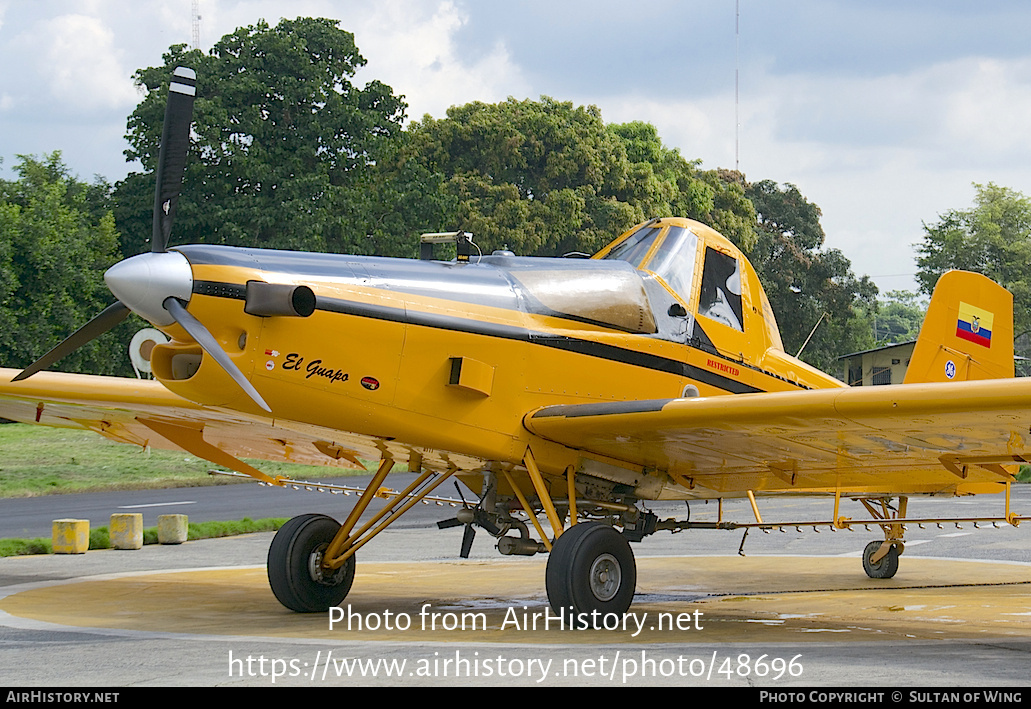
<point x="295" y="571"/>
<point x="886" y="565"/>
<point x="591" y="568"/>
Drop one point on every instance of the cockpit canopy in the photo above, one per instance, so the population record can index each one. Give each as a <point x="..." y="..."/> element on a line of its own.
<point x="706" y="272"/>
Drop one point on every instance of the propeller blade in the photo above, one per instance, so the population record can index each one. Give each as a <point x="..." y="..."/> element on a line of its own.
<point x="210" y="345"/>
<point x="175" y="143"/>
<point x="458" y="489"/>
<point x="483" y="520"/>
<point x="108" y="318"/>
<point x="467" y="541"/>
<point x="469" y="516"/>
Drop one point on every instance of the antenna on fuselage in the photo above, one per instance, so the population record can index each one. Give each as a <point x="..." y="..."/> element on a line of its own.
<point x="810" y="335"/>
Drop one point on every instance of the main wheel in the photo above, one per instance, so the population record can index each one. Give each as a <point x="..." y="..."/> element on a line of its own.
<point x="886" y="567"/>
<point x="295" y="570"/>
<point x="591" y="568"/>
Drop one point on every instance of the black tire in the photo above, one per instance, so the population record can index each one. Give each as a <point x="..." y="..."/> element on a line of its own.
<point x="886" y="567"/>
<point x="293" y="568"/>
<point x="591" y="568"/>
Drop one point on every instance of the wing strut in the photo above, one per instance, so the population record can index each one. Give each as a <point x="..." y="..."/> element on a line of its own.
<point x="542" y="493"/>
<point x="755" y="508"/>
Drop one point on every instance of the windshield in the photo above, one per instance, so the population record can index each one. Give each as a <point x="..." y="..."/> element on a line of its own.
<point x="635" y="247"/>
<point x="674" y="260"/>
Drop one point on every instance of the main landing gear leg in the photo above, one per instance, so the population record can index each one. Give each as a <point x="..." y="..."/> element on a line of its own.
<point x="881" y="559"/>
<point x="591" y="568"/>
<point x="311" y="560"/>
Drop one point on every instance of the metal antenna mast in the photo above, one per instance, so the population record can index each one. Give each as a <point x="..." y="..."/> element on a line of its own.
<point x="195" y="19"/>
<point x="737" y="72"/>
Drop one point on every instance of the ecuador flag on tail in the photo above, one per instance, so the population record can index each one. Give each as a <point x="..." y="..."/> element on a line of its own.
<point x="974" y="325"/>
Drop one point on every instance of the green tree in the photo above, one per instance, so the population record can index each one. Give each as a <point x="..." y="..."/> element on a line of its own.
<point x="57" y="237"/>
<point x="285" y="145"/>
<point x="898" y="317"/>
<point x="806" y="282"/>
<point x="731" y="212"/>
<point x="545" y="178"/>
<point x="993" y="238"/>
<point x="403" y="199"/>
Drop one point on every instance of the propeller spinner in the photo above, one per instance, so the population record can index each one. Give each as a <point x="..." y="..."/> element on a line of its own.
<point x="157" y="285"/>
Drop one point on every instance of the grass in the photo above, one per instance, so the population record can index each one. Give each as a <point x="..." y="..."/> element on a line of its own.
<point x="100" y="539"/>
<point x="25" y="547"/>
<point x="35" y="460"/>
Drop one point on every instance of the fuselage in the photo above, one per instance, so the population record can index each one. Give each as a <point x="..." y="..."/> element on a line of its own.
<point x="450" y="356"/>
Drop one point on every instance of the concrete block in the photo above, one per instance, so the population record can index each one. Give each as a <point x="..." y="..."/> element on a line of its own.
<point x="70" y="536"/>
<point x="126" y="530"/>
<point x="172" y="529"/>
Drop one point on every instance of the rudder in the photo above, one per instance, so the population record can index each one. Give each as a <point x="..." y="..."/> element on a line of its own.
<point x="967" y="332"/>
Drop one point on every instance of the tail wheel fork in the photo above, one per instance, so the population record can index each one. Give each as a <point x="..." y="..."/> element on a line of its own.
<point x="311" y="560"/>
<point x="881" y="558"/>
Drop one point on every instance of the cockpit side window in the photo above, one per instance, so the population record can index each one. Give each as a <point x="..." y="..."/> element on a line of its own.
<point x="635" y="247"/>
<point x="674" y="260"/>
<point x="720" y="299"/>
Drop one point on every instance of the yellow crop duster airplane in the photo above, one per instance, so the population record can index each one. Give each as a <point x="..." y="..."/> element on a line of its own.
<point x="573" y="389"/>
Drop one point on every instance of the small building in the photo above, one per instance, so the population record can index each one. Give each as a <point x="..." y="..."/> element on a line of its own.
<point x="881" y="365"/>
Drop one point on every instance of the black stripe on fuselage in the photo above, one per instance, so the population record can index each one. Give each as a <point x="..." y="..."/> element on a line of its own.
<point x="511" y="332"/>
<point x="645" y="360"/>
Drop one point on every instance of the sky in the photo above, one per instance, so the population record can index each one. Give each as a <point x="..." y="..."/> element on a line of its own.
<point x="884" y="113"/>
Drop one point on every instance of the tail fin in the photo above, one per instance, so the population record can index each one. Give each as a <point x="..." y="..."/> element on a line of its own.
<point x="967" y="332"/>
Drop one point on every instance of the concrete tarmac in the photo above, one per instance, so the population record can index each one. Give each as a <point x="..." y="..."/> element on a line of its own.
<point x="201" y="614"/>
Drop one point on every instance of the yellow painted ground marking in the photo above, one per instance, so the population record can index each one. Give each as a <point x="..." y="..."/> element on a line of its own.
<point x="753" y="599"/>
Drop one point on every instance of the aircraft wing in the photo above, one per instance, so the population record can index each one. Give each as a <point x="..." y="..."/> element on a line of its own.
<point x="951" y="438"/>
<point x="144" y="413"/>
